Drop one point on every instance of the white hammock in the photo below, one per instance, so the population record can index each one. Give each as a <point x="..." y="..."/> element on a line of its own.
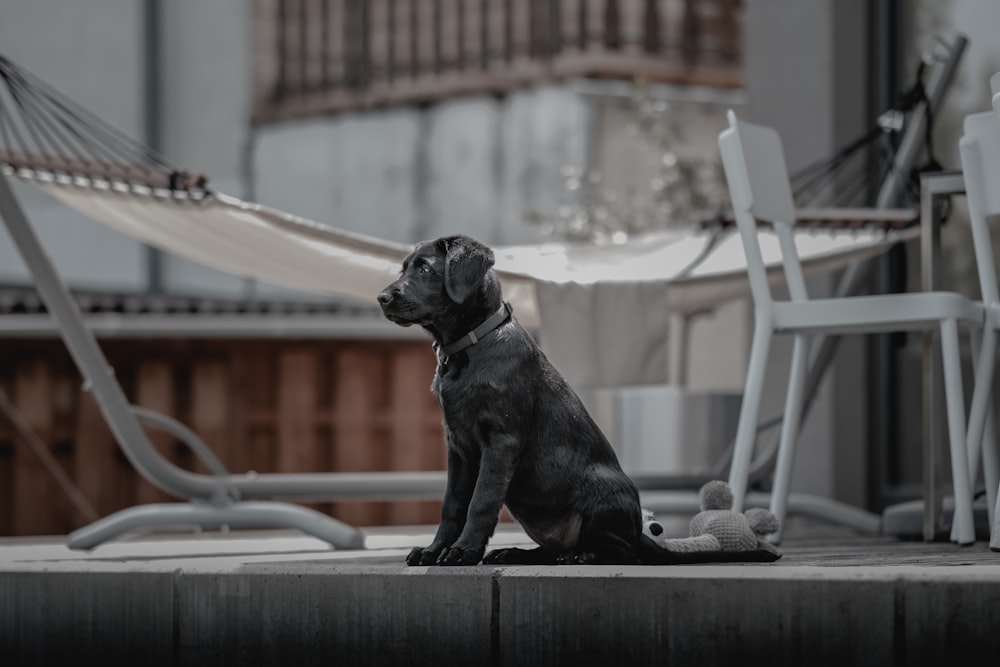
<point x="254" y="241"/>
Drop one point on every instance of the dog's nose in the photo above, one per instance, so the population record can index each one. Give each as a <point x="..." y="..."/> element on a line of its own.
<point x="385" y="296"/>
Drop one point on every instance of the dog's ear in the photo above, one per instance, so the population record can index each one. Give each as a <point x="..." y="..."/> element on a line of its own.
<point x="465" y="265"/>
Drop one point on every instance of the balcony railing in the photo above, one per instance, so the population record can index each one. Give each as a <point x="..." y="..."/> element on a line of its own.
<point x="317" y="57"/>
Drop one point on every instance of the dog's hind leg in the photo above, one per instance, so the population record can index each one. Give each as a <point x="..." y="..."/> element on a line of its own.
<point x="516" y="556"/>
<point x="606" y="538"/>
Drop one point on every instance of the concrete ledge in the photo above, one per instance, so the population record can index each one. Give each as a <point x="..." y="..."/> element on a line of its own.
<point x="354" y="616"/>
<point x="746" y="615"/>
<point x="295" y="602"/>
<point x="58" y="619"/>
<point x="382" y="615"/>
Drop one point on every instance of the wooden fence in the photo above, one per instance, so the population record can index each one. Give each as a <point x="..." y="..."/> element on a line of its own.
<point x="269" y="406"/>
<point x="323" y="56"/>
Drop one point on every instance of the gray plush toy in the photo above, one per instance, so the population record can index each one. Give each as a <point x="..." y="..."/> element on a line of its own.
<point x="717" y="528"/>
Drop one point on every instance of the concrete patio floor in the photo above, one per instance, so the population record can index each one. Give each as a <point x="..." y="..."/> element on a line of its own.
<point x="272" y="597"/>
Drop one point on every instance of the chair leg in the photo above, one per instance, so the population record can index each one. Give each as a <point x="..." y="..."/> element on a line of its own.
<point x="789" y="431"/>
<point x="981" y="394"/>
<point x="746" y="430"/>
<point x="965" y="529"/>
<point x="991" y="457"/>
<point x="980" y="412"/>
<point x="982" y="427"/>
<point x="991" y="469"/>
<point x="995" y="533"/>
<point x="991" y="460"/>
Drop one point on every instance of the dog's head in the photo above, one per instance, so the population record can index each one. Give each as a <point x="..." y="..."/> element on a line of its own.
<point x="438" y="279"/>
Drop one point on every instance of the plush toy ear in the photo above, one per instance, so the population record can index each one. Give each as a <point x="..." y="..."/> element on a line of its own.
<point x="716" y="495"/>
<point x="762" y="522"/>
<point x="465" y="266"/>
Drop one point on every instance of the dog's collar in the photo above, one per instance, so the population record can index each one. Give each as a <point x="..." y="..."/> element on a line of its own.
<point x="468" y="340"/>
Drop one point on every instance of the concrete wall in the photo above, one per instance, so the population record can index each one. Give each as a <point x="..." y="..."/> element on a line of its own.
<point x="473" y="165"/>
<point x="205" y="65"/>
<point x="806" y="77"/>
<point x="93" y="52"/>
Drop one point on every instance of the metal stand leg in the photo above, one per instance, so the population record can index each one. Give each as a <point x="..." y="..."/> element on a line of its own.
<point x="250" y="514"/>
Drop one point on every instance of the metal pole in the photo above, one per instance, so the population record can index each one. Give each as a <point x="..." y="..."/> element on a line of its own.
<point x="910" y="145"/>
<point x="91" y="362"/>
<point x="153" y="100"/>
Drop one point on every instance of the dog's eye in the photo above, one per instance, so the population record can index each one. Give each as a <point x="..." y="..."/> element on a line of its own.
<point x="424" y="268"/>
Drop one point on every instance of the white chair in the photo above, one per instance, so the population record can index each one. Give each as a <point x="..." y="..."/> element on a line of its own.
<point x="759" y="188"/>
<point x="979" y="148"/>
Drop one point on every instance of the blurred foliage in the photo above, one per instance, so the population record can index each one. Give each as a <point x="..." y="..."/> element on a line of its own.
<point x="683" y="189"/>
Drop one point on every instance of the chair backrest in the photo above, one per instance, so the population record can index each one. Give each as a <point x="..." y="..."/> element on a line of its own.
<point x="754" y="162"/>
<point x="979" y="148"/>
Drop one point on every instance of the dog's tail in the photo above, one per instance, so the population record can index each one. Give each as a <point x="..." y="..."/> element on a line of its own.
<point x="651" y="553"/>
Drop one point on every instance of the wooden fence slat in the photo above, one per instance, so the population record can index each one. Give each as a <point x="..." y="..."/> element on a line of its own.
<point x="55" y="460"/>
<point x="101" y="471"/>
<point x="435" y="447"/>
<point x="297" y="393"/>
<point x="297" y="379"/>
<point x="359" y="374"/>
<point x="7" y="507"/>
<point x="36" y="495"/>
<point x="253" y="385"/>
<point x="7" y="444"/>
<point x="77" y="508"/>
<point x="210" y="413"/>
<point x="411" y="446"/>
<point x="154" y="389"/>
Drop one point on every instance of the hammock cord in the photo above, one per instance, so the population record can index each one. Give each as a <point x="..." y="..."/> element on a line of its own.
<point x="42" y="128"/>
<point x="829" y="181"/>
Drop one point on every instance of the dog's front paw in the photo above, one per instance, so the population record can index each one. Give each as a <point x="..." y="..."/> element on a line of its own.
<point x="460" y="556"/>
<point x="501" y="557"/>
<point x="422" y="556"/>
<point x="576" y="558"/>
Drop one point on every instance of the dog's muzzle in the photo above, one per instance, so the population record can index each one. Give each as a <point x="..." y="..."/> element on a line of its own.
<point x="394" y="306"/>
<point x="387" y="296"/>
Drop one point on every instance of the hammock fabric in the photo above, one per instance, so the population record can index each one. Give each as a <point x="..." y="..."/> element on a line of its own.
<point x="698" y="268"/>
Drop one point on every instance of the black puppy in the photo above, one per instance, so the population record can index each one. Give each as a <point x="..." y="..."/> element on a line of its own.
<point x="516" y="433"/>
